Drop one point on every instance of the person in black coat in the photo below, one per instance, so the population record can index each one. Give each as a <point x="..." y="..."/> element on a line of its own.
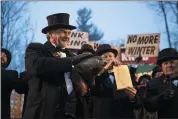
<point x="9" y="81"/>
<point x="51" y="94"/>
<point x="141" y="87"/>
<point x="107" y="102"/>
<point x="162" y="91"/>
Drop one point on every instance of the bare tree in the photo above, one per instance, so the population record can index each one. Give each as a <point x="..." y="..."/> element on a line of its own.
<point x="173" y="7"/>
<point x="168" y="10"/>
<point x="16" y="31"/>
<point x="163" y="9"/>
<point x="160" y="8"/>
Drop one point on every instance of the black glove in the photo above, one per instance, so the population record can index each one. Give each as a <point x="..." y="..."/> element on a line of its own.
<point x="169" y="94"/>
<point x="76" y="59"/>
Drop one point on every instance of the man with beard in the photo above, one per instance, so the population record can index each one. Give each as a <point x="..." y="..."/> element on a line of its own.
<point x="48" y="65"/>
<point x="162" y="91"/>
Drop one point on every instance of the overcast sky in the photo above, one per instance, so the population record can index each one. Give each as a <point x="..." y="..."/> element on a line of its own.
<point x="116" y="19"/>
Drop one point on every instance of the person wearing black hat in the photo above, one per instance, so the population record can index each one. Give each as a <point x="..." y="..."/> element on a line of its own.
<point x="162" y="91"/>
<point x="9" y="81"/>
<point x="86" y="49"/>
<point x="49" y="65"/>
<point x="5" y="58"/>
<point x="107" y="102"/>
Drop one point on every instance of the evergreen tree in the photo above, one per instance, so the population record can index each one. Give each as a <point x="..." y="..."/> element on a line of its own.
<point x="84" y="24"/>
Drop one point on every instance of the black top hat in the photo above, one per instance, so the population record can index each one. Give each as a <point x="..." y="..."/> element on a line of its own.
<point x="8" y="54"/>
<point x="105" y="48"/>
<point x="86" y="48"/>
<point x="167" y="54"/>
<point x="55" y="21"/>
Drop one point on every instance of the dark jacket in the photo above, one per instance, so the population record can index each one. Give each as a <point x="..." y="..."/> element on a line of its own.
<point x="23" y="88"/>
<point x="47" y="95"/>
<point x="9" y="81"/>
<point x="154" y="100"/>
<point x="109" y="103"/>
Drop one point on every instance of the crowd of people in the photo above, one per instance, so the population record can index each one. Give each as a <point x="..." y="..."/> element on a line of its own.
<point x="60" y="84"/>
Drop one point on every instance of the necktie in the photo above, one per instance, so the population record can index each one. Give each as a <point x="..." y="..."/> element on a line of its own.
<point x="111" y="77"/>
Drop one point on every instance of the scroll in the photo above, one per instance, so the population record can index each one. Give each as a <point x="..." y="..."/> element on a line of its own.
<point x="122" y="77"/>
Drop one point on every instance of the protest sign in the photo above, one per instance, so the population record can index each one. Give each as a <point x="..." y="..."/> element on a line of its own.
<point x="122" y="77"/>
<point x="77" y="39"/>
<point x="94" y="45"/>
<point x="143" y="44"/>
<point x="130" y="60"/>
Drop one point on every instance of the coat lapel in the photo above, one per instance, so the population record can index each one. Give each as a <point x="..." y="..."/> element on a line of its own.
<point x="50" y="48"/>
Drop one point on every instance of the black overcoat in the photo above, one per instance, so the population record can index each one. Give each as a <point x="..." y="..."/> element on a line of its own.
<point x="47" y="95"/>
<point x="9" y="81"/>
<point x="110" y="103"/>
<point x="154" y="99"/>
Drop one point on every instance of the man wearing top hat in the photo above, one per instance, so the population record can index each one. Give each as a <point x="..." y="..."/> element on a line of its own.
<point x="48" y="65"/>
<point x="162" y="91"/>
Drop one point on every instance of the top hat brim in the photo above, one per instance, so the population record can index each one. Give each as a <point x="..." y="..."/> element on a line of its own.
<point x="57" y="26"/>
<point x="107" y="50"/>
<point x="160" y="61"/>
<point x="86" y="50"/>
